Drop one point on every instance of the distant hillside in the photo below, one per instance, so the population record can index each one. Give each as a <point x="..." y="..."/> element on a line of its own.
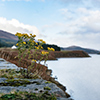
<point x="7" y="39"/>
<point x="87" y="50"/>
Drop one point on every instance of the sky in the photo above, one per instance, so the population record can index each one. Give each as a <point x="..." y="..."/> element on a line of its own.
<point x="60" y="22"/>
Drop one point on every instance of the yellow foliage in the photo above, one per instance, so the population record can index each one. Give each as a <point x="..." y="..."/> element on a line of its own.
<point x="51" y="49"/>
<point x="24" y="42"/>
<point x="33" y="60"/>
<point x="44" y="52"/>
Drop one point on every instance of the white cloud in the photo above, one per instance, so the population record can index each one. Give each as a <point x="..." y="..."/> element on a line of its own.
<point x="83" y="21"/>
<point x="14" y="26"/>
<point x="83" y="30"/>
<point x="92" y="21"/>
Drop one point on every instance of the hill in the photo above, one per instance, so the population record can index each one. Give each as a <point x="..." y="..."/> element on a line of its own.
<point x="87" y="50"/>
<point x="7" y="39"/>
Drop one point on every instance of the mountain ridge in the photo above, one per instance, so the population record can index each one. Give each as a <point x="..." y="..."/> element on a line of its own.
<point x="7" y="39"/>
<point x="7" y="35"/>
<point x="87" y="50"/>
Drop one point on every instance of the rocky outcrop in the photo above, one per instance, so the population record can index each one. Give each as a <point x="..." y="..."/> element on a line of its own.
<point x="36" y="86"/>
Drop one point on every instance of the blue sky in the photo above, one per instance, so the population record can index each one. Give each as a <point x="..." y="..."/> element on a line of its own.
<point x="61" y="22"/>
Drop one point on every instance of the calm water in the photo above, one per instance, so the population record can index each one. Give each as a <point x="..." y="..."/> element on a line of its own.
<point x="81" y="76"/>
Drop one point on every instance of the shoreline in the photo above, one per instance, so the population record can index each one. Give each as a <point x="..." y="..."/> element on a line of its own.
<point x="9" y="55"/>
<point x="43" y="83"/>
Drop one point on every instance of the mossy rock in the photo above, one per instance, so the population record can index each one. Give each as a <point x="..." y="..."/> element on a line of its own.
<point x="47" y="88"/>
<point x="47" y="82"/>
<point x="8" y="96"/>
<point x="27" y="96"/>
<point x="15" y="82"/>
<point x="12" y="73"/>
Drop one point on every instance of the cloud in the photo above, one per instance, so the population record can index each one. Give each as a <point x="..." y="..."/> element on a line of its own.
<point x="82" y="30"/>
<point x="83" y="21"/>
<point x="92" y="21"/>
<point x="14" y="26"/>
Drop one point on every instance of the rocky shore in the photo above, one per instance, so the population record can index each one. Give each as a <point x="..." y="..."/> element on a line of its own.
<point x="10" y="55"/>
<point x="36" y="86"/>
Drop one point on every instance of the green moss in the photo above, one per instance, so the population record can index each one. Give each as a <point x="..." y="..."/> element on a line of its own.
<point x="12" y="73"/>
<point x="47" y="88"/>
<point x="8" y="96"/>
<point x="9" y="73"/>
<point x="47" y="82"/>
<point x="27" y="96"/>
<point x="4" y="75"/>
<point x="14" y="82"/>
<point x="10" y="77"/>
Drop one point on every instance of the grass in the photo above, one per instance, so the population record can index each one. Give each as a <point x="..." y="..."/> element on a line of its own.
<point x="12" y="73"/>
<point x="27" y="96"/>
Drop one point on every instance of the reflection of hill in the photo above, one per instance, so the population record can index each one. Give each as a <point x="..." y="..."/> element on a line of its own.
<point x="7" y="39"/>
<point x="73" y="48"/>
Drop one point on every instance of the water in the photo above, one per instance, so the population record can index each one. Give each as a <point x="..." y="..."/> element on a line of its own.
<point x="81" y="76"/>
<point x="7" y="65"/>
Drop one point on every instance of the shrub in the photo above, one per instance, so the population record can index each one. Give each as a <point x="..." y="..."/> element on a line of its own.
<point x="25" y="45"/>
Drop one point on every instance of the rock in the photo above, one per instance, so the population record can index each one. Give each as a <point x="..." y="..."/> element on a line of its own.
<point x="32" y="87"/>
<point x="48" y="72"/>
<point x="2" y="60"/>
<point x="2" y="79"/>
